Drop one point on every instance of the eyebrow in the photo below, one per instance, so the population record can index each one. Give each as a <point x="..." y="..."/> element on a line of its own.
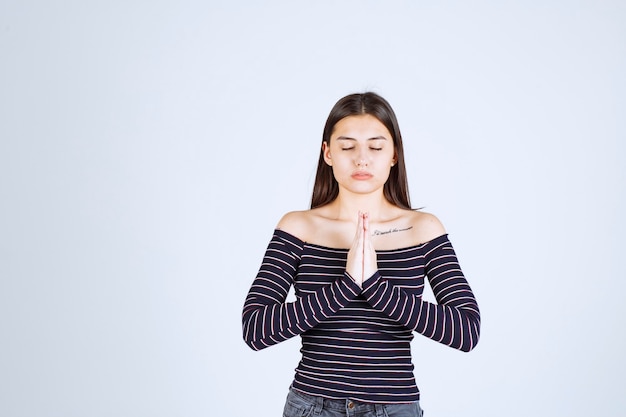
<point x="374" y="138"/>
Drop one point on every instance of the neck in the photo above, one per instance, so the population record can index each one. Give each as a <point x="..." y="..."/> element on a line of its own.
<point x="348" y="206"/>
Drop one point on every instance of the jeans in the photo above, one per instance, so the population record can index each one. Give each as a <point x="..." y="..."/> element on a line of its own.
<point x="303" y="405"/>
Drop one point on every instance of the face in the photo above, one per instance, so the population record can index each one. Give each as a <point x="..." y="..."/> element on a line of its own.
<point x="361" y="153"/>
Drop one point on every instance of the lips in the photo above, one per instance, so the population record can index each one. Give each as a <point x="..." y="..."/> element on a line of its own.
<point x="361" y="175"/>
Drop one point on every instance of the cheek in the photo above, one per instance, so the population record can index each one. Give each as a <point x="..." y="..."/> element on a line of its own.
<point x="342" y="167"/>
<point x="387" y="158"/>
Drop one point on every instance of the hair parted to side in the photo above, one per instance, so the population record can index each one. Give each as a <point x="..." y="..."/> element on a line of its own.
<point x="396" y="189"/>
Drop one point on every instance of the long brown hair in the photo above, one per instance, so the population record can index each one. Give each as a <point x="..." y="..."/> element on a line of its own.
<point x="396" y="189"/>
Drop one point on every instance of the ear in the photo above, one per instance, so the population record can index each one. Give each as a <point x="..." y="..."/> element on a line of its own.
<point x="326" y="153"/>
<point x="394" y="160"/>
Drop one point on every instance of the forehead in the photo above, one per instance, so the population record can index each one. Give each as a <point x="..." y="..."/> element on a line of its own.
<point x="363" y="126"/>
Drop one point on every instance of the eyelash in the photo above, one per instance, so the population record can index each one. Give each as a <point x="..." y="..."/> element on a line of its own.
<point x="349" y="149"/>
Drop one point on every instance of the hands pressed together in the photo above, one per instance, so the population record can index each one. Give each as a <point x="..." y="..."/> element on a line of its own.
<point x="361" y="263"/>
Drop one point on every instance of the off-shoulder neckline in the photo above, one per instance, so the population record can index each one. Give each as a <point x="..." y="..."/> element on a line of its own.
<point x="303" y="243"/>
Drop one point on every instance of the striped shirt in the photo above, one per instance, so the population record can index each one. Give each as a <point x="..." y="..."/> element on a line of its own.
<point x="356" y="342"/>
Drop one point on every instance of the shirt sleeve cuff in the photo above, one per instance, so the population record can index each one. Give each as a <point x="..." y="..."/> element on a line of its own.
<point x="370" y="285"/>
<point x="351" y="284"/>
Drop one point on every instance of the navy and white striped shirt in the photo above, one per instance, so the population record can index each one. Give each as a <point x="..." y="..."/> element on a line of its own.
<point x="356" y="342"/>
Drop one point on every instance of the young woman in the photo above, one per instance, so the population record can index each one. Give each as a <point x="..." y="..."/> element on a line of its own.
<point x="358" y="259"/>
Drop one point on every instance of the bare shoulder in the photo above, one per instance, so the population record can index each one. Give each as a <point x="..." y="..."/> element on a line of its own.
<point x="425" y="226"/>
<point x="296" y="223"/>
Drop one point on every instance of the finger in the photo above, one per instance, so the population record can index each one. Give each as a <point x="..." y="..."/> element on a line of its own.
<point x="366" y="230"/>
<point x="359" y="229"/>
<point x="367" y="241"/>
<point x="360" y="247"/>
<point x="366" y="222"/>
<point x="360" y="221"/>
<point x="369" y="254"/>
<point x="354" y="264"/>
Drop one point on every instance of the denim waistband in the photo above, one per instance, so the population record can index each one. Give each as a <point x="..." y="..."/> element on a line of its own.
<point x="356" y="407"/>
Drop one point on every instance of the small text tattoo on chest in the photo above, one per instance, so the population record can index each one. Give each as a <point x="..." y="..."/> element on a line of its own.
<point x="389" y="231"/>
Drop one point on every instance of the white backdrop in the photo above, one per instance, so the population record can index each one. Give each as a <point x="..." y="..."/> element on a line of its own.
<point x="148" y="149"/>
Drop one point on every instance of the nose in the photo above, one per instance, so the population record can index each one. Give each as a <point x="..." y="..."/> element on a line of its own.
<point x="361" y="160"/>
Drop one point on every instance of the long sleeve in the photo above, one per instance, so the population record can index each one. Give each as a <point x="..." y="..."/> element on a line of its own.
<point x="453" y="321"/>
<point x="267" y="318"/>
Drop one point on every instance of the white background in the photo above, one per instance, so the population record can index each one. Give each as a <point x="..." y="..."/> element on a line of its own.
<point x="148" y="149"/>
